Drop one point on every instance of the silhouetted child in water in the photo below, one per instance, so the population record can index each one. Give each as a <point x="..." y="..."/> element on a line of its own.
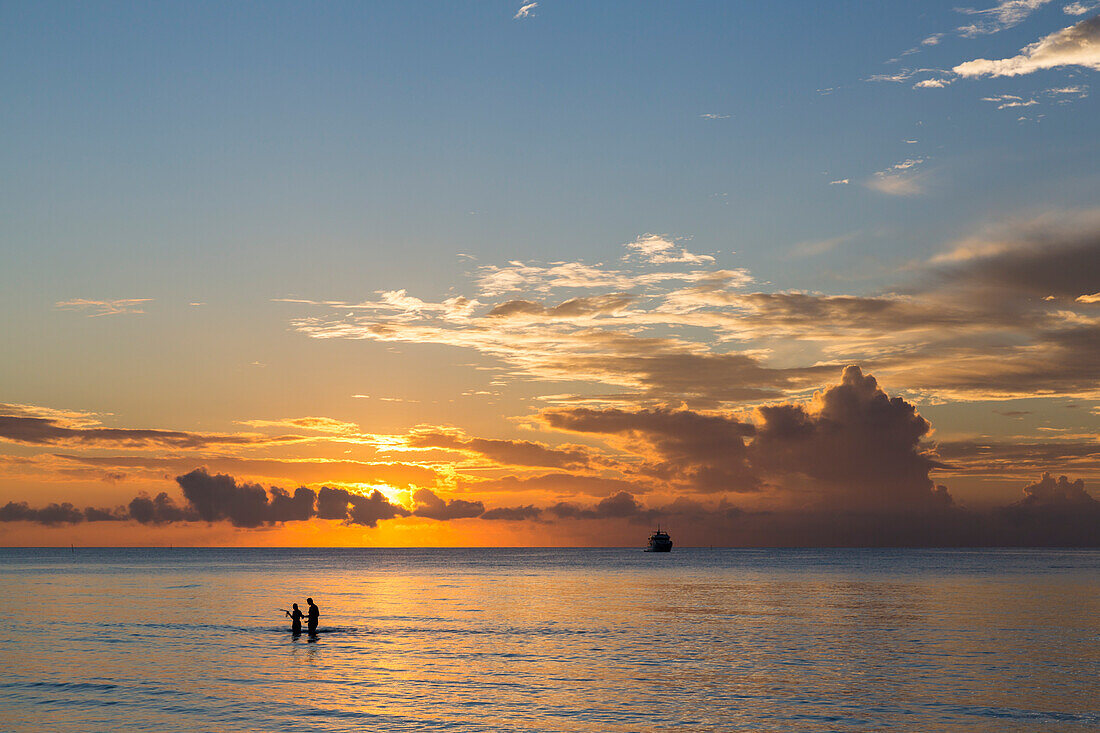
<point x="296" y="617"/>
<point x="314" y="612"/>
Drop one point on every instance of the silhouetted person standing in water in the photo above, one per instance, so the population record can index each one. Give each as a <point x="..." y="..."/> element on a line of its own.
<point x="296" y="617"/>
<point x="314" y="612"/>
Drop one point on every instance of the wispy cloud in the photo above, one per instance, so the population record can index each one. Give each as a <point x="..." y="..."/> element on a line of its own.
<point x="713" y="116"/>
<point x="659" y="249"/>
<point x="1080" y="8"/>
<point x="94" y="308"/>
<point x="1005" y="14"/>
<point x="900" y="179"/>
<point x="527" y="10"/>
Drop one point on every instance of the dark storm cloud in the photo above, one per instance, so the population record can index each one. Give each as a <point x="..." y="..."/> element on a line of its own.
<point x="505" y="452"/>
<point x="45" y="431"/>
<point x="431" y="506"/>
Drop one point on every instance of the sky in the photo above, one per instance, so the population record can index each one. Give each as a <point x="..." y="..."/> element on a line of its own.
<point x="549" y="273"/>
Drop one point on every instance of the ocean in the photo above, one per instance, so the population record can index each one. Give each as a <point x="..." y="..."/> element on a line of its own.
<point x="551" y="640"/>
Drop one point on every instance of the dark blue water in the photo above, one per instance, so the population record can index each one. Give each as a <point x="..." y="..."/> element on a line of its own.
<point x="552" y="640"/>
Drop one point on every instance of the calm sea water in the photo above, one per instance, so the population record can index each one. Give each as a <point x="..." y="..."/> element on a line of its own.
<point x="551" y="640"/>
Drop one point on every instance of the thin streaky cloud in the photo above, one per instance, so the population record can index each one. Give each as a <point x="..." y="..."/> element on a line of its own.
<point x="94" y="308"/>
<point x="526" y="11"/>
<point x="1002" y="16"/>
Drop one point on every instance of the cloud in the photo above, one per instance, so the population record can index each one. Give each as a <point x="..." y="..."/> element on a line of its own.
<point x="527" y="10"/>
<point x="620" y="506"/>
<point x="839" y="182"/>
<point x="1007" y="101"/>
<point x="932" y="40"/>
<point x="899" y="179"/>
<point x="291" y="469"/>
<point x="658" y="249"/>
<point x="1005" y="14"/>
<point x="220" y="497"/>
<point x="503" y="452"/>
<point x="573" y="308"/>
<point x="50" y="515"/>
<point x="160" y="510"/>
<point x="430" y="506"/>
<point x="932" y="84"/>
<point x="1055" y="254"/>
<point x="46" y="431"/>
<point x="353" y="508"/>
<point x="1078" y="45"/>
<point x="513" y="514"/>
<point x="702" y="452"/>
<point x="860" y="446"/>
<point x="95" y="308"/>
<point x="1080" y="8"/>
<point x="713" y="116"/>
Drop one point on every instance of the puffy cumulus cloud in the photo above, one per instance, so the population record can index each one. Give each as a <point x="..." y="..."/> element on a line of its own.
<point x="1046" y="492"/>
<point x="852" y="446"/>
<point x="1005" y="14"/>
<point x="95" y="308"/>
<point x="220" y="497"/>
<point x="703" y="452"/>
<point x="430" y="506"/>
<point x="49" y="431"/>
<point x="1078" y="45"/>
<point x="160" y="510"/>
<point x="859" y="446"/>
<point x="1053" y="512"/>
<point x="353" y="508"/>
<point x="504" y="452"/>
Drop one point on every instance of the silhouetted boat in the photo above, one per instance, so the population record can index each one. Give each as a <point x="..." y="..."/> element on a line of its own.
<point x="659" y="541"/>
